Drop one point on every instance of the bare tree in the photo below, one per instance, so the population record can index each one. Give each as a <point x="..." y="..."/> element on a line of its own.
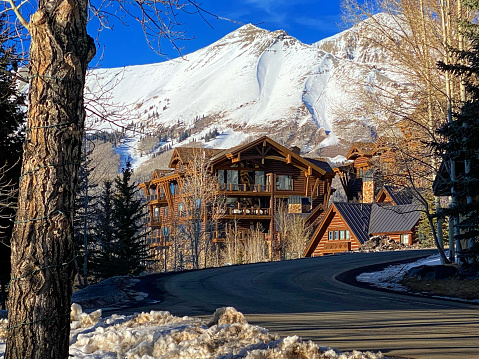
<point x="202" y="205"/>
<point x="255" y="247"/>
<point x="294" y="234"/>
<point x="417" y="98"/>
<point x="42" y="241"/>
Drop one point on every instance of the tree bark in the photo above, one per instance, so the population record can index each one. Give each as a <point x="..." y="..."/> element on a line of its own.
<point x="42" y="241"/>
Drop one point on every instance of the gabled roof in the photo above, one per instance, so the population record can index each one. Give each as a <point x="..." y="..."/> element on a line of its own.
<point x="362" y="149"/>
<point x="442" y="185"/>
<point x="317" y="165"/>
<point x="186" y="154"/>
<point x="159" y="173"/>
<point x="320" y="163"/>
<point x="398" y="196"/>
<point x="356" y="216"/>
<point x="390" y="219"/>
<point x="364" y="219"/>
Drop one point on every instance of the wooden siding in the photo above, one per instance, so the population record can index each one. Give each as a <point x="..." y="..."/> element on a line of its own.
<point x="335" y="222"/>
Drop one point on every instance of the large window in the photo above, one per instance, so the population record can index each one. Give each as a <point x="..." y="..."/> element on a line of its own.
<point x="259" y="177"/>
<point x="221" y="176"/>
<point x="284" y="182"/>
<point x="232" y="176"/>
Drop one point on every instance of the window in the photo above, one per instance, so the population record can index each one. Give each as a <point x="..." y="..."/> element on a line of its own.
<point x="330" y="235"/>
<point x="336" y="235"/>
<point x="284" y="182"/>
<point x="259" y="178"/>
<point x="405" y="238"/>
<point x="232" y="176"/>
<point x="198" y="203"/>
<point x="172" y="188"/>
<point x="347" y="234"/>
<point x="341" y="235"/>
<point x="221" y="176"/>
<point x="181" y="209"/>
<point x="165" y="231"/>
<point x="165" y="211"/>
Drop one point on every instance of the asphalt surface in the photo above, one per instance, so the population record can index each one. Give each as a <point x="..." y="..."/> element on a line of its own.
<point x="304" y="297"/>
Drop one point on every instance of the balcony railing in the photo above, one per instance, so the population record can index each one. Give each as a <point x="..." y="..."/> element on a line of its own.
<point x="246" y="211"/>
<point x="234" y="187"/>
<point x="155" y="197"/>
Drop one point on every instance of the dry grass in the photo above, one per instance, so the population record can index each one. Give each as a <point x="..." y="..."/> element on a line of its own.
<point x="452" y="287"/>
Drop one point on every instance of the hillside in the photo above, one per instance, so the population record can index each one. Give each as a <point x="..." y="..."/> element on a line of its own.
<point x="249" y="83"/>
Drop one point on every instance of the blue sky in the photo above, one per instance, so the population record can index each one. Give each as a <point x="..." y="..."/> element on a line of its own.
<point x="307" y="20"/>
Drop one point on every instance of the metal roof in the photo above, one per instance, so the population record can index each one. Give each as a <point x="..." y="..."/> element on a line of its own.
<point x="387" y="218"/>
<point x="357" y="217"/>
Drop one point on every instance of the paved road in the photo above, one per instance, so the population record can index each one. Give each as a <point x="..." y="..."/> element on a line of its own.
<point x="302" y="297"/>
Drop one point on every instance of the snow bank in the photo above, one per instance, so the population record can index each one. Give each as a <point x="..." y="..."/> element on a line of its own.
<point x="390" y="276"/>
<point x="161" y="335"/>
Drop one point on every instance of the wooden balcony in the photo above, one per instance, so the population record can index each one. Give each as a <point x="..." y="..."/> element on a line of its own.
<point x="158" y="241"/>
<point x="246" y="212"/>
<point x="155" y="199"/>
<point x="337" y="246"/>
<point x="151" y="222"/>
<point x="220" y="236"/>
<point x="244" y="189"/>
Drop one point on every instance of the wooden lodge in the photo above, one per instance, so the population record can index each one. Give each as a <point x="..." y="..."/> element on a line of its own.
<point x="254" y="178"/>
<point x="371" y="210"/>
<point x="347" y="225"/>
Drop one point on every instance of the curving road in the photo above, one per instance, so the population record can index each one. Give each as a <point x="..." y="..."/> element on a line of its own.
<point x="302" y="297"/>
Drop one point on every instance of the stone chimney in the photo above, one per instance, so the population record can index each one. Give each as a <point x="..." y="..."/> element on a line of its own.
<point x="368" y="187"/>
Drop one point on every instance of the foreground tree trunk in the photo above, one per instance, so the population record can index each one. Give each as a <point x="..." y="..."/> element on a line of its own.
<point x="42" y="242"/>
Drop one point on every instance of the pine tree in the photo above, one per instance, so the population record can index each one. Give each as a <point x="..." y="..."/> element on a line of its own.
<point x="461" y="145"/>
<point x="104" y="261"/>
<point x="85" y="208"/>
<point x="130" y="248"/>
<point x="11" y="140"/>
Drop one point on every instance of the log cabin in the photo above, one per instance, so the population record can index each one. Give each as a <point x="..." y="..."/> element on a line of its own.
<point x="346" y="226"/>
<point x="254" y="178"/>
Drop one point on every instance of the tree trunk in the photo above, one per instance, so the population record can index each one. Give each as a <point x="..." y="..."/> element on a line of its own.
<point x="42" y="241"/>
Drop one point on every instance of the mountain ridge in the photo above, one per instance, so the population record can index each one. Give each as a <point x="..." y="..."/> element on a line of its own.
<point x="251" y="82"/>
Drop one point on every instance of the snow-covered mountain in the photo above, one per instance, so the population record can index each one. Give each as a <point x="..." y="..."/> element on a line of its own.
<point x="249" y="83"/>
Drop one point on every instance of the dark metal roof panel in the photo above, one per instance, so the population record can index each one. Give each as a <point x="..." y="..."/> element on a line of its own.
<point x="388" y="219"/>
<point x="356" y="216"/>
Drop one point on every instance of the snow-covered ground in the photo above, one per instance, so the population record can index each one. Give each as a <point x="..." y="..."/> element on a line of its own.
<point x="391" y="276"/>
<point x="162" y="335"/>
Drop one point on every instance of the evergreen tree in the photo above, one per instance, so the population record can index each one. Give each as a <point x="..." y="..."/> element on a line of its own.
<point x="104" y="261"/>
<point x="11" y="140"/>
<point x="85" y="208"/>
<point x="131" y="251"/>
<point x="461" y="144"/>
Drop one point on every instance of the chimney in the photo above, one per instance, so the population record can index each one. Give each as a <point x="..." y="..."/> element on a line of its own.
<point x="368" y="187"/>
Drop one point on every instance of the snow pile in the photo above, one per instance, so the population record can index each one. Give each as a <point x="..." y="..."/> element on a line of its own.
<point x="390" y="276"/>
<point x="162" y="335"/>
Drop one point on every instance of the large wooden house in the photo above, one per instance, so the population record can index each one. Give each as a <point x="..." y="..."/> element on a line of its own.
<point x="254" y="177"/>
<point x="347" y="225"/>
<point x="372" y="209"/>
